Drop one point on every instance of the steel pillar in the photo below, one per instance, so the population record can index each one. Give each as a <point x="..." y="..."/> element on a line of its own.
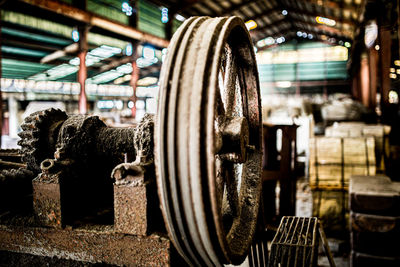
<point x="82" y="73"/>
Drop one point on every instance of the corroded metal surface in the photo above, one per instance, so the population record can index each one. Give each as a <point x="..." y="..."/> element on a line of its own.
<point x="208" y="141"/>
<point x="39" y="136"/>
<point x="97" y="245"/>
<point x="47" y="204"/>
<point x="136" y="207"/>
<point x="73" y="157"/>
<point x="6" y="154"/>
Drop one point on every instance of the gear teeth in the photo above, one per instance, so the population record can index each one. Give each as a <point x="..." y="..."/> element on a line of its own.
<point x="27" y="134"/>
<point x="34" y="136"/>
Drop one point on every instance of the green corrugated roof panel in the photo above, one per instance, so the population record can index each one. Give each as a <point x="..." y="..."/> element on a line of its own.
<point x="16" y="69"/>
<point x="37" y="23"/>
<point x="285" y="72"/>
<point x="19" y="63"/>
<point x="110" y="12"/>
<point x="266" y="72"/>
<point x="35" y="37"/>
<point x="22" y="51"/>
<point x="311" y="45"/>
<point x="311" y="71"/>
<point x="150" y="19"/>
<point x="287" y="46"/>
<point x="55" y="28"/>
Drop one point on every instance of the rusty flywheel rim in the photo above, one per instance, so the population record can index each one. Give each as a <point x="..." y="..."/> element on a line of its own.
<point x="208" y="141"/>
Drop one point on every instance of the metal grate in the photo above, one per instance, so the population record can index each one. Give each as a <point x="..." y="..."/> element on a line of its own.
<point x="295" y="243"/>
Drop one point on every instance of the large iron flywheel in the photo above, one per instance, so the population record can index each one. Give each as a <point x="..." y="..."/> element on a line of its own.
<point x="208" y="147"/>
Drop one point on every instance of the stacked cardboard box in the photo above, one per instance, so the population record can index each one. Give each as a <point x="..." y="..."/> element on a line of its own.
<point x="374" y="221"/>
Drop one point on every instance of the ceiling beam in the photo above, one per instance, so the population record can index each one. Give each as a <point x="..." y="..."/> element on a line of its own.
<point x="29" y="45"/>
<point x="71" y="49"/>
<point x="236" y="7"/>
<point x="94" y="20"/>
<point x="318" y="32"/>
<point x="115" y="63"/>
<point x="265" y="13"/>
<point x="330" y="4"/>
<point x="29" y="59"/>
<point x="273" y="24"/>
<point x="312" y="14"/>
<point x="325" y="28"/>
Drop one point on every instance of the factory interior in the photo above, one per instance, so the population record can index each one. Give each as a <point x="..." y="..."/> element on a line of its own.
<point x="289" y="154"/>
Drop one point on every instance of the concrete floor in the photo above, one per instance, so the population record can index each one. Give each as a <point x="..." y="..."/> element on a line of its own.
<point x="304" y="209"/>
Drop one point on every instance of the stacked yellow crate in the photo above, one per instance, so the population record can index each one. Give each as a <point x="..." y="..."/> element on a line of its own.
<point x="334" y="159"/>
<point x="357" y="129"/>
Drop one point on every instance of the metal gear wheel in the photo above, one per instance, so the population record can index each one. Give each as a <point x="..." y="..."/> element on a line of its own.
<point x="39" y="136"/>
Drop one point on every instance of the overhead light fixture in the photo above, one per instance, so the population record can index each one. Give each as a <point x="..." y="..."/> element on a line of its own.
<point x="325" y="21"/>
<point x="148" y="52"/>
<point x="347" y="44"/>
<point x="75" y="35"/>
<point x="283" y="84"/>
<point x="392" y="70"/>
<point x="393" y="75"/>
<point x="127" y="9"/>
<point x="164" y="15"/>
<point x="250" y="25"/>
<point x="180" y="17"/>
<point x="144" y="62"/>
<point x="310" y="36"/>
<point x="299" y="34"/>
<point x="284" y="12"/>
<point x="397" y="62"/>
<point x="393" y="97"/>
<point x="371" y="34"/>
<point x="266" y="41"/>
<point x="129" y="49"/>
<point x="377" y="47"/>
<point x="280" y="40"/>
<point x="147" y="81"/>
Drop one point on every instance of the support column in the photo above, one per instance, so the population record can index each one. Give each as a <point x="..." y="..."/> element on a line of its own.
<point x="364" y="80"/>
<point x="373" y="77"/>
<point x="133" y="83"/>
<point x="13" y="116"/>
<point x="356" y="86"/>
<point x="385" y="57"/>
<point x="82" y="73"/>
<point x="133" y="22"/>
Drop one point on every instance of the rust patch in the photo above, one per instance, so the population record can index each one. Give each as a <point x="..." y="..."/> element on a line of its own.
<point x="95" y="246"/>
<point x="47" y="201"/>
